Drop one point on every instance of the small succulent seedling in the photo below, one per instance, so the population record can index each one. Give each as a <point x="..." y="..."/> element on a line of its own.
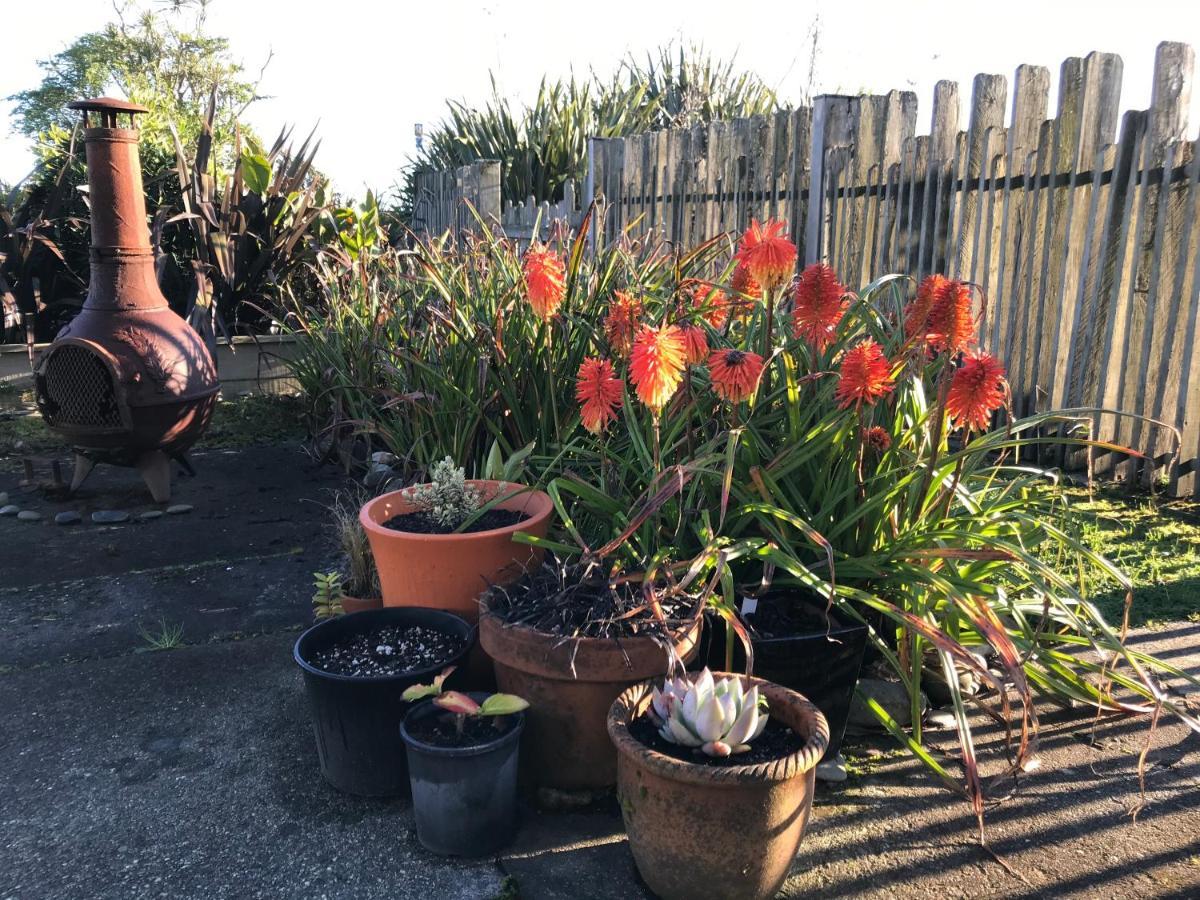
<point x="447" y="498"/>
<point x="717" y="718"/>
<point x="461" y="705"/>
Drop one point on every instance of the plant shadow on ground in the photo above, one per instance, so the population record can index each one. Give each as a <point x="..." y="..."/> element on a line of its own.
<point x="1156" y="541"/>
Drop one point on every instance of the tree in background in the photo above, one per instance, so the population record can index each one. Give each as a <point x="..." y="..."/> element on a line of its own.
<point x="545" y="143"/>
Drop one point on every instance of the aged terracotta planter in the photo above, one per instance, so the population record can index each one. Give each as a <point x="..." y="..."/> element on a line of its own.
<point x="704" y="831"/>
<point x="450" y="571"/>
<point x="566" y="744"/>
<point x="360" y="604"/>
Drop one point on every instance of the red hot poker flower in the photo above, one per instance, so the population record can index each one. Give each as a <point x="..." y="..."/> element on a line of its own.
<point x="768" y="255"/>
<point x="545" y="280"/>
<point x="866" y="375"/>
<point x="696" y="343"/>
<point x="819" y="306"/>
<point x="734" y="374"/>
<point x="621" y="323"/>
<point x="712" y="304"/>
<point x="598" y="390"/>
<point x="656" y="364"/>
<point x="951" y="325"/>
<point x="877" y="439"/>
<point x="916" y="313"/>
<point x="976" y="391"/>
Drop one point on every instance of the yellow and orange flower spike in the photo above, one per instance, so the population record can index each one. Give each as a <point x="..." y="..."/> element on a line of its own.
<point x="695" y="341"/>
<point x="712" y="304"/>
<point x="916" y="313"/>
<point x="819" y="307"/>
<point x="656" y="364"/>
<point x="976" y="391"/>
<point x="621" y="323"/>
<point x="599" y="392"/>
<point x="767" y="254"/>
<point x="734" y="374"/>
<point x="866" y="375"/>
<point x="545" y="280"/>
<point x="951" y="327"/>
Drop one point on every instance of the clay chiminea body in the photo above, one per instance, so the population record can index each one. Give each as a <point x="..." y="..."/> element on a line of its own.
<point x="127" y="381"/>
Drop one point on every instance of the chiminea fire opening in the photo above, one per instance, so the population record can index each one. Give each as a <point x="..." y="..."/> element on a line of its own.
<point x="127" y="381"/>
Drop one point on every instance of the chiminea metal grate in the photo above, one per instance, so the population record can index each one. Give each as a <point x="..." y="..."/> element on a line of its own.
<point x="76" y="391"/>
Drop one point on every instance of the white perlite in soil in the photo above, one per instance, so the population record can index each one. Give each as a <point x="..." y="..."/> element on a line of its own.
<point x="393" y="650"/>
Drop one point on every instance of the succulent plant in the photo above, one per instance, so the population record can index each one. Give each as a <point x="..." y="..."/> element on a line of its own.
<point x="447" y="498"/>
<point x="718" y="718"/>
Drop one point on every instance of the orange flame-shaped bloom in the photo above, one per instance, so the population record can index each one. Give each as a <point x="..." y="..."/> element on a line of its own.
<point x="866" y="375"/>
<point x="951" y="324"/>
<point x="712" y="304"/>
<point x="877" y="438"/>
<point x="695" y="341"/>
<point x="598" y="390"/>
<point x="620" y="325"/>
<point x="743" y="282"/>
<point x="768" y="255"/>
<point x="735" y="374"/>
<point x="656" y="364"/>
<point x="819" y="305"/>
<point x="545" y="281"/>
<point x="916" y="313"/>
<point x="977" y="389"/>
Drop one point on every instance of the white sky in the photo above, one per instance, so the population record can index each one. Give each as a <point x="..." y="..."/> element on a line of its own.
<point x="369" y="70"/>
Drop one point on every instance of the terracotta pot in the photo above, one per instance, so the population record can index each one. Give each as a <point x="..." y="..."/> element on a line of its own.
<point x="360" y="604"/>
<point x="566" y="744"/>
<point x="709" y="831"/>
<point x="450" y="571"/>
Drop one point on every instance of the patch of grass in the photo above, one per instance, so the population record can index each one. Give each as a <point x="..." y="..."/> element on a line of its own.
<point x="166" y="637"/>
<point x="254" y="419"/>
<point x="1156" y="541"/>
<point x="509" y="889"/>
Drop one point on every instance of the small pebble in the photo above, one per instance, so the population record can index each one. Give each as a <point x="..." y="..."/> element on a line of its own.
<point x="9" y="510"/>
<point x="832" y="770"/>
<point x="382" y="457"/>
<point x="110" y="516"/>
<point x="940" y="718"/>
<point x="3" y="498"/>
<point x="70" y="517"/>
<point x="179" y="509"/>
<point x="151" y="514"/>
<point x="29" y="515"/>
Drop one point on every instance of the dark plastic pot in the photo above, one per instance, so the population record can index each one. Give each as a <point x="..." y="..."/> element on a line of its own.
<point x="823" y="663"/>
<point x="464" y="798"/>
<point x="357" y="720"/>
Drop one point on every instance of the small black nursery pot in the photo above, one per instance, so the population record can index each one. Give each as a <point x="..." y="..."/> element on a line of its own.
<point x="356" y="718"/>
<point x="464" y="790"/>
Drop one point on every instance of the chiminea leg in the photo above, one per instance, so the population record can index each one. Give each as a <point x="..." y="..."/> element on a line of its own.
<point x="156" y="472"/>
<point x="83" y="468"/>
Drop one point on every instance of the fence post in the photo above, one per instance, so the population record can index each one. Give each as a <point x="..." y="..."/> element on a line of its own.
<point x="488" y="200"/>
<point x="589" y="194"/>
<point x="816" y="175"/>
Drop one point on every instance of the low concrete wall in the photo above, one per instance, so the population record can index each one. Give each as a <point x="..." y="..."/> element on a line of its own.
<point x="255" y="365"/>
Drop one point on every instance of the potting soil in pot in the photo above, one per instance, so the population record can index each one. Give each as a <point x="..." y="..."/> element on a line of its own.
<point x="776" y="742"/>
<point x="440" y="731"/>
<point x="423" y="523"/>
<point x="392" y="650"/>
<point x="774" y="618"/>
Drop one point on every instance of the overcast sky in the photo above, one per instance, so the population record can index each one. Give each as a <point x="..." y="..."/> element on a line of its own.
<point x="367" y="71"/>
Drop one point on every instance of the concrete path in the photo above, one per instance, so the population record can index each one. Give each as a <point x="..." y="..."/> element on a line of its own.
<point x="192" y="772"/>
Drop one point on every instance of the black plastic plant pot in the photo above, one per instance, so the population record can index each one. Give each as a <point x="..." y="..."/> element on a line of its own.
<point x="464" y="798"/>
<point x="800" y="649"/>
<point x="357" y="719"/>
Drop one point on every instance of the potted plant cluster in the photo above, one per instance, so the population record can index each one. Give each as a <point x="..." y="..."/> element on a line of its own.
<point x="356" y="587"/>
<point x="462" y="765"/>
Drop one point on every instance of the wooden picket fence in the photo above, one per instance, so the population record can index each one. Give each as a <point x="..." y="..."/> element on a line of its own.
<point x="1078" y="228"/>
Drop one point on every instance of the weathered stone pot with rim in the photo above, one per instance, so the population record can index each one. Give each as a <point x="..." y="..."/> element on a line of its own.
<point x="566" y="744"/>
<point x="716" y="831"/>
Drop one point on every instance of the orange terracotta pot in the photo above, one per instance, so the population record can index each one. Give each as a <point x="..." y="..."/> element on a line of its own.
<point x="450" y="571"/>
<point x="566" y="743"/>
<point x="359" y="604"/>
<point x="708" y="831"/>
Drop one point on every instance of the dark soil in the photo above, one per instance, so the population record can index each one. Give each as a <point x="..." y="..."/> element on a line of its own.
<point x="785" y="615"/>
<point x="422" y="523"/>
<point x="393" y="650"/>
<point x="440" y="730"/>
<point x="576" y="602"/>
<point x="776" y="742"/>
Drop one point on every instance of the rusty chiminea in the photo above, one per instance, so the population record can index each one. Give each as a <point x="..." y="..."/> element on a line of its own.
<point x="127" y="381"/>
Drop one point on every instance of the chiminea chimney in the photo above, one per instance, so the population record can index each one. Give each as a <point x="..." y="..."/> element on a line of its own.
<point x="127" y="381"/>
